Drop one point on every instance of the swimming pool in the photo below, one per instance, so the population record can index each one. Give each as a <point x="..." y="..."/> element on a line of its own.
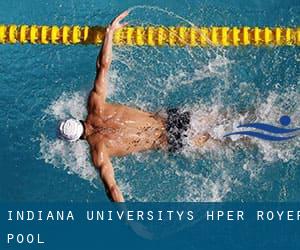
<point x="42" y="84"/>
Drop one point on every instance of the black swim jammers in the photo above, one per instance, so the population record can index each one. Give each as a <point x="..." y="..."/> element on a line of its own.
<point x="177" y="125"/>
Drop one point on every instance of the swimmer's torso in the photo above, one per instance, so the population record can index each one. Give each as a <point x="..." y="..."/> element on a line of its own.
<point x="124" y="130"/>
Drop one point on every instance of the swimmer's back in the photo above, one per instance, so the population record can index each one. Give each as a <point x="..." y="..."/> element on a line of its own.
<point x="126" y="130"/>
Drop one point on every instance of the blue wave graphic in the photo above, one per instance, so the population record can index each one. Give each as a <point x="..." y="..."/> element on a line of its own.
<point x="262" y="136"/>
<point x="284" y="121"/>
<point x="269" y="128"/>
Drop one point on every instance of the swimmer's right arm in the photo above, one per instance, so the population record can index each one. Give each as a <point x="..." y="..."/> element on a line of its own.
<point x="103" y="164"/>
<point x="105" y="56"/>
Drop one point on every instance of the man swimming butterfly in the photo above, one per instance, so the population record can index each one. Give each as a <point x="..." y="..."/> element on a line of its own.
<point x="117" y="130"/>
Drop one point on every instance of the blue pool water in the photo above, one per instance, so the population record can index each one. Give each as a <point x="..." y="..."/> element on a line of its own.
<point x="42" y="84"/>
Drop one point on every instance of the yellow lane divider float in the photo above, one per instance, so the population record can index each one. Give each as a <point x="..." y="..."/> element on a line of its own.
<point x="152" y="36"/>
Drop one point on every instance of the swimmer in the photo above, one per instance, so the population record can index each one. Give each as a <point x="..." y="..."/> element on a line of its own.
<point x="114" y="130"/>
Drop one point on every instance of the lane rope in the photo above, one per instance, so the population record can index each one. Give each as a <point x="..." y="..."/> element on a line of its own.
<point x="152" y="35"/>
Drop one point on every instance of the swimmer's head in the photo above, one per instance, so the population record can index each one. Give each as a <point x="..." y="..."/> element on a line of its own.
<point x="70" y="130"/>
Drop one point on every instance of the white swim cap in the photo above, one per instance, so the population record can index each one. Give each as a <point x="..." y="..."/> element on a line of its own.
<point x="70" y="130"/>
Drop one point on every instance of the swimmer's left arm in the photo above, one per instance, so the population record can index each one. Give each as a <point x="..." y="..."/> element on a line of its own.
<point x="103" y="164"/>
<point x="105" y="56"/>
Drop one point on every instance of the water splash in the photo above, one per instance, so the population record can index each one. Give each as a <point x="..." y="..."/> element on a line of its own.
<point x="74" y="158"/>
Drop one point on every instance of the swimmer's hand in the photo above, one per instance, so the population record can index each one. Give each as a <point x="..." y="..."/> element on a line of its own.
<point x="115" y="24"/>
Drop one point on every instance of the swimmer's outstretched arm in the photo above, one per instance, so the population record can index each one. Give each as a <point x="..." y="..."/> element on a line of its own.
<point x="105" y="56"/>
<point x="103" y="164"/>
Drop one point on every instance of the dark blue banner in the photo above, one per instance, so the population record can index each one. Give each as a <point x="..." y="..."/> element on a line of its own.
<point x="150" y="226"/>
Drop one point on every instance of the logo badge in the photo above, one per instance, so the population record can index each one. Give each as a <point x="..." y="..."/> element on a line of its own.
<point x="268" y="132"/>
